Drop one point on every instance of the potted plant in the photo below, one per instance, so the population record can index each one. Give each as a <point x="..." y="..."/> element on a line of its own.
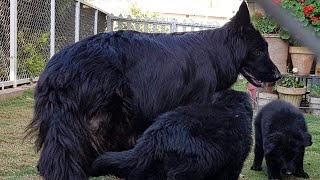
<point x="315" y="99"/>
<point x="290" y="89"/>
<point x="276" y="38"/>
<point x="308" y="13"/>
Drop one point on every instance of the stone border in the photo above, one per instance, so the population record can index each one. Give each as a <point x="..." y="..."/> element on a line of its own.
<point x="14" y="92"/>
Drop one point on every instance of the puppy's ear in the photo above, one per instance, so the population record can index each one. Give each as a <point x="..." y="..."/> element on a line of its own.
<point x="242" y="18"/>
<point x="273" y="141"/>
<point x="307" y="139"/>
<point x="269" y="148"/>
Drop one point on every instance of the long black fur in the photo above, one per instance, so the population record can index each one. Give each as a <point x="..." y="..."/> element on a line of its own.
<point x="192" y="142"/>
<point x="281" y="136"/>
<point x="102" y="92"/>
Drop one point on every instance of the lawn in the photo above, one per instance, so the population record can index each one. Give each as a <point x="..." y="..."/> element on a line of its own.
<point x="18" y="158"/>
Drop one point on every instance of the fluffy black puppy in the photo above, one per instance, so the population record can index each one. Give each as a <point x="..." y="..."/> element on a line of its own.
<point x="281" y="137"/>
<point x="101" y="93"/>
<point x="191" y="142"/>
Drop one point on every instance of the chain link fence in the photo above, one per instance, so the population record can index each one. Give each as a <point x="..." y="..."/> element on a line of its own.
<point x="33" y="20"/>
<point x="87" y="15"/>
<point x="102" y="22"/>
<point x="31" y="31"/>
<point x="64" y="23"/>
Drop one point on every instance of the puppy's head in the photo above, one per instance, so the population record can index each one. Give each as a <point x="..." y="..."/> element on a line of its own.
<point x="233" y="99"/>
<point x="286" y="148"/>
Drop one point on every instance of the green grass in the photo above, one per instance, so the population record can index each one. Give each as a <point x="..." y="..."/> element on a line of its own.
<point x="240" y="85"/>
<point x="18" y="158"/>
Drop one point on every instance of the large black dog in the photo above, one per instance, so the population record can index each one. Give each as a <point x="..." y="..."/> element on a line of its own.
<point x="102" y="92"/>
<point x="281" y="137"/>
<point x="191" y="142"/>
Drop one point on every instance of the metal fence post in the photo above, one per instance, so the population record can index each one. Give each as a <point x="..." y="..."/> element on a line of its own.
<point x="77" y="22"/>
<point x="173" y="26"/>
<point x="109" y="23"/>
<point x="13" y="42"/>
<point x="52" y="27"/>
<point x="95" y="27"/>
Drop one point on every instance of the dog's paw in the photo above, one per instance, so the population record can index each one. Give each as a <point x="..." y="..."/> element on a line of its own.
<point x="302" y="175"/>
<point x="256" y="168"/>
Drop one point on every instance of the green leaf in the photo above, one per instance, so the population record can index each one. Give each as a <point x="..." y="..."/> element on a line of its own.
<point x="305" y="22"/>
<point x="301" y="19"/>
<point x="284" y="35"/>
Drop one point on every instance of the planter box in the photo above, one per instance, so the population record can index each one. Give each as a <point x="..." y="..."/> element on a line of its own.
<point x="315" y="103"/>
<point x="265" y="98"/>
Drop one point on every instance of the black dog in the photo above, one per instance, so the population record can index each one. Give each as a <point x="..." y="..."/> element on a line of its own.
<point x="281" y="137"/>
<point x="101" y="93"/>
<point x="192" y="142"/>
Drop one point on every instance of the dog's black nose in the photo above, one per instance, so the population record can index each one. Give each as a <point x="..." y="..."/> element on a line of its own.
<point x="288" y="173"/>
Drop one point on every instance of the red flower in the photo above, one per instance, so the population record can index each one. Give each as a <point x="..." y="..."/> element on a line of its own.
<point x="258" y="14"/>
<point x="307" y="9"/>
<point x="302" y="1"/>
<point x="316" y="19"/>
<point x="276" y="1"/>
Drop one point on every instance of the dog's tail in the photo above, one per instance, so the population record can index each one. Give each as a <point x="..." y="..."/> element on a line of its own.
<point x="118" y="164"/>
<point x="81" y="96"/>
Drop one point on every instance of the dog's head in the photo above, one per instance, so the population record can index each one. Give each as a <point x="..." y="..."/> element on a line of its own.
<point x="286" y="148"/>
<point x="256" y="65"/>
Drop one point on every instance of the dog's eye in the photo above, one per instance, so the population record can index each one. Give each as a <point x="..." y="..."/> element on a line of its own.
<point x="257" y="51"/>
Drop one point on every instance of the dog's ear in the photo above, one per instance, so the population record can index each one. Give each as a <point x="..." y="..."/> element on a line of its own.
<point x="270" y="146"/>
<point x="273" y="141"/>
<point x="307" y="139"/>
<point x="242" y="18"/>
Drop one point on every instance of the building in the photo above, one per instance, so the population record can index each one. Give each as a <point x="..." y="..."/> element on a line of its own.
<point x="197" y="10"/>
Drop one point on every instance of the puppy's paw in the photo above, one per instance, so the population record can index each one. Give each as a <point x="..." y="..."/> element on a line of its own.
<point x="302" y="175"/>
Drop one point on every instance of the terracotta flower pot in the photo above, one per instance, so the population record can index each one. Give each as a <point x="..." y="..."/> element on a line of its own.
<point x="278" y="51"/>
<point x="302" y="58"/>
<point x="291" y="95"/>
<point x="317" y="69"/>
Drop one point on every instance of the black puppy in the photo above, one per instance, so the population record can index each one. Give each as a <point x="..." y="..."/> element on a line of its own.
<point x="281" y="136"/>
<point x="191" y="142"/>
